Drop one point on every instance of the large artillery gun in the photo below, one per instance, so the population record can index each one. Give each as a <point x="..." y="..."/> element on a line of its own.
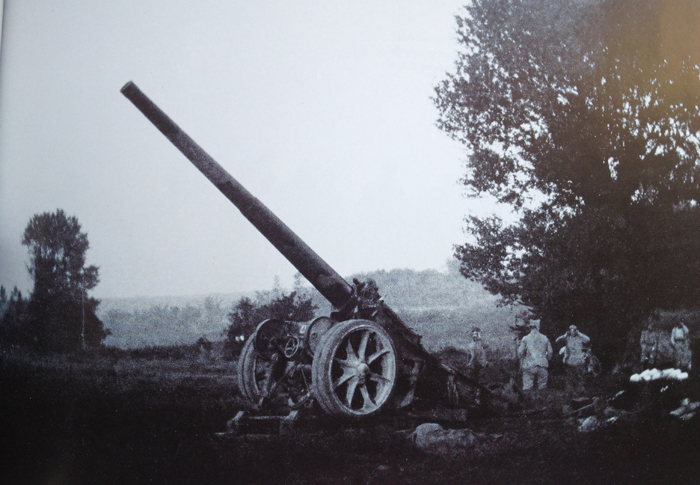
<point x="360" y="361"/>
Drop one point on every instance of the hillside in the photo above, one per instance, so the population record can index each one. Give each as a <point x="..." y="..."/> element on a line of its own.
<point x="443" y="307"/>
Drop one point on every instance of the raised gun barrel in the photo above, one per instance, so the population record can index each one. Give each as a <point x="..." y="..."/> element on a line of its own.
<point x="370" y="360"/>
<point x="324" y="278"/>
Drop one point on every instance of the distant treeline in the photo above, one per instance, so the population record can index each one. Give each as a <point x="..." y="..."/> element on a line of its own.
<point x="202" y="349"/>
<point x="438" y="305"/>
<point x="165" y="325"/>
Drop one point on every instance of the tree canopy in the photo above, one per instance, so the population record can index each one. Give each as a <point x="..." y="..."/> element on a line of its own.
<point x="582" y="117"/>
<point x="61" y="315"/>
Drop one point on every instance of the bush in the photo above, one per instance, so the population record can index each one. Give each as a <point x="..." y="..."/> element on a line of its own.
<point x="246" y="315"/>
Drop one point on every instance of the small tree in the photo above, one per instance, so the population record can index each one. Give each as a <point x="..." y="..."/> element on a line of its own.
<point x="13" y="318"/>
<point x="3" y="300"/>
<point x="244" y="316"/>
<point x="296" y="306"/>
<point x="61" y="314"/>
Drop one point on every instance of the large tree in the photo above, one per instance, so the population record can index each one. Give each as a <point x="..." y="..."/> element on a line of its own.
<point x="61" y="314"/>
<point x="583" y="118"/>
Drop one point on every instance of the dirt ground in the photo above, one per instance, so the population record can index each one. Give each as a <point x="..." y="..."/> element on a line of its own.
<point x="115" y="422"/>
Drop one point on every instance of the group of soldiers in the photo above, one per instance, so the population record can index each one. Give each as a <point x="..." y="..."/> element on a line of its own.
<point x="680" y="343"/>
<point x="535" y="353"/>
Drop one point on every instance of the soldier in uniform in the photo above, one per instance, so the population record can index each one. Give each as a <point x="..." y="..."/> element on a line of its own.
<point x="534" y="352"/>
<point x="575" y="357"/>
<point x="592" y="364"/>
<point x="477" y="354"/>
<point x="680" y="340"/>
<point x="649" y="342"/>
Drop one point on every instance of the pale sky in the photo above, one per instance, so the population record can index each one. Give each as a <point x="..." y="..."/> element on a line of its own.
<point x="320" y="108"/>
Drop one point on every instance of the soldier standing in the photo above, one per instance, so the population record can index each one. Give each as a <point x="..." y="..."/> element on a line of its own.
<point x="477" y="354"/>
<point x="649" y="343"/>
<point x="534" y="353"/>
<point x="592" y="364"/>
<point x="681" y="346"/>
<point x="575" y="357"/>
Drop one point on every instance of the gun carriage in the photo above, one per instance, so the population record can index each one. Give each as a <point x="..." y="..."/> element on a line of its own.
<point x="359" y="361"/>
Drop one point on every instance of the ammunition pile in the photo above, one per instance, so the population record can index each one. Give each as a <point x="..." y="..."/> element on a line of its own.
<point x="655" y="374"/>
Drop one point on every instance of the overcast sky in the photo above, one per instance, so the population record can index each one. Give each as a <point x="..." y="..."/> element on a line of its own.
<point x="320" y="108"/>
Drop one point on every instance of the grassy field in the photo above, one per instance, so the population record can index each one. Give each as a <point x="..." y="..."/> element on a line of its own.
<point x="123" y="420"/>
<point x="443" y="327"/>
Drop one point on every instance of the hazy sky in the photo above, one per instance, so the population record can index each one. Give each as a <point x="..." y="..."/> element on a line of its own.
<point x="320" y="108"/>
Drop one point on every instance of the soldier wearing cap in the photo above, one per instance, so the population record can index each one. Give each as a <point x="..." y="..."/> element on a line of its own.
<point x="574" y="356"/>
<point x="681" y="346"/>
<point x="534" y="353"/>
<point x="477" y="354"/>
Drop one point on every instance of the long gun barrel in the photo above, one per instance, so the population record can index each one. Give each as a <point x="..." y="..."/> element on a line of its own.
<point x="355" y="305"/>
<point x="324" y="278"/>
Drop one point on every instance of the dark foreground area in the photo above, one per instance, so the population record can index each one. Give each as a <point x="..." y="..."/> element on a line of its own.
<point x="101" y="421"/>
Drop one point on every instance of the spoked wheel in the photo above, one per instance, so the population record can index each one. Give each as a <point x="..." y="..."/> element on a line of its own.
<point x="273" y="382"/>
<point x="354" y="369"/>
